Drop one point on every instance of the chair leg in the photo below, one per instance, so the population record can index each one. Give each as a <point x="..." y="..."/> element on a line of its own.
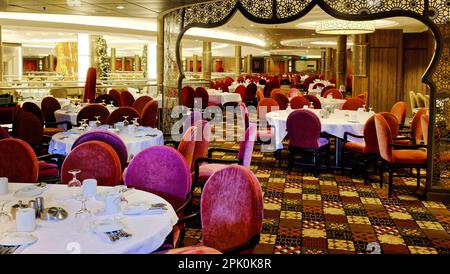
<point x="418" y="178"/>
<point x="381" y="175"/>
<point x="290" y="162"/>
<point x="391" y="183"/>
<point x="317" y="162"/>
<point x="328" y="157"/>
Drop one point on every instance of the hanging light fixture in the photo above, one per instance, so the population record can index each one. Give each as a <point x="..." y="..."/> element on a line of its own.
<point x="342" y="27"/>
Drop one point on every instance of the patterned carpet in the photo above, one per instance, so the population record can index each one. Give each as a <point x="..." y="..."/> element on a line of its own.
<point x="339" y="214"/>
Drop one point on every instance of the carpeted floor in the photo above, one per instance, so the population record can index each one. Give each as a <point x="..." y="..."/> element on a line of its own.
<point x="339" y="214"/>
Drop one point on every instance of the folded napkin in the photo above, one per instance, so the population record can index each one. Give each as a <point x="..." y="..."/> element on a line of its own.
<point x="5" y="249"/>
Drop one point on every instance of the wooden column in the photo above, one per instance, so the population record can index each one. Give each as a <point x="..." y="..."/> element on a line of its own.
<point x="237" y="59"/>
<point x="195" y="63"/>
<point x="360" y="81"/>
<point x="113" y="60"/>
<point x="159" y="55"/>
<point x="207" y="59"/>
<point x="137" y="63"/>
<point x="328" y="63"/>
<point x="341" y="60"/>
<point x="1" y="55"/>
<point x="51" y="61"/>
<point x="322" y="62"/>
<point x="249" y="64"/>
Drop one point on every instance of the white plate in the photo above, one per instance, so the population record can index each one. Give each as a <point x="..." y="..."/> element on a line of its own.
<point x="18" y="238"/>
<point x="107" y="225"/>
<point x="136" y="208"/>
<point x="29" y="191"/>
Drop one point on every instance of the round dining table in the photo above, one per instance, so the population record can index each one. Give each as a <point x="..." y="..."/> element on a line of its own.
<point x="336" y="124"/>
<point x="38" y="101"/>
<point x="221" y="98"/>
<point x="136" y="141"/>
<point x="148" y="230"/>
<point x="70" y="113"/>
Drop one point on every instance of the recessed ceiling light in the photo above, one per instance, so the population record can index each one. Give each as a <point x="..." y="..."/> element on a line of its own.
<point x="120" y="7"/>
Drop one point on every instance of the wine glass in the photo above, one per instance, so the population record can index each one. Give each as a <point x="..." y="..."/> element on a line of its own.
<point x="81" y="127"/>
<point x="125" y="121"/>
<point x="111" y="104"/>
<point x="311" y="105"/>
<point x="83" y="217"/>
<point x="74" y="185"/>
<point x="103" y="102"/>
<point x="97" y="122"/>
<point x="88" y="101"/>
<point x="135" y="122"/>
<point x="364" y="107"/>
<point x="85" y="124"/>
<point x="4" y="215"/>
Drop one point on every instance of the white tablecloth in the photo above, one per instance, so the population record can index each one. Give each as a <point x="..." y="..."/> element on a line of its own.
<point x="34" y="93"/>
<point x="62" y="101"/>
<point x="62" y="115"/>
<point x="331" y="103"/>
<point x="337" y="124"/>
<point x="218" y="97"/>
<point x="61" y="143"/>
<point x="149" y="231"/>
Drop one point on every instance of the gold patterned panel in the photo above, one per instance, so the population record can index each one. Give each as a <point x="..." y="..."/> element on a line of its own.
<point x="67" y="59"/>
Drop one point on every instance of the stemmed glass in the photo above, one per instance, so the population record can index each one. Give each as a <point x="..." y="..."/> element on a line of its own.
<point x="103" y="102"/>
<point x="364" y="107"/>
<point x="85" y="124"/>
<point x="97" y="122"/>
<point x="135" y="122"/>
<point x="81" y="127"/>
<point x="4" y="216"/>
<point x="111" y="104"/>
<point x="74" y="185"/>
<point x="125" y="121"/>
<point x="83" y="217"/>
<point x="88" y="101"/>
<point x="311" y="105"/>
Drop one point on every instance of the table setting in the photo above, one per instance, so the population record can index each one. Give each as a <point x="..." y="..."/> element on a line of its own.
<point x="70" y="111"/>
<point x="92" y="218"/>
<point x="135" y="137"/>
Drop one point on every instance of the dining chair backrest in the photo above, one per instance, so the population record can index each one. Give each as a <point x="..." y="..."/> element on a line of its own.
<point x="187" y="145"/>
<point x="384" y="137"/>
<point x="275" y="91"/>
<point x="202" y="140"/>
<point x="416" y="126"/>
<point x="116" y="94"/>
<point x="265" y="106"/>
<point x="96" y="160"/>
<point x="299" y="101"/>
<point x="90" y="85"/>
<point x="282" y="100"/>
<point x="149" y="116"/>
<point x="140" y="103"/>
<point x="118" y="115"/>
<point x="241" y="90"/>
<point x="313" y="99"/>
<point x="107" y="99"/>
<point x="187" y="96"/>
<point x="34" y="109"/>
<point x="28" y="128"/>
<point x="231" y="208"/>
<point x="90" y="111"/>
<point x="49" y="105"/>
<point x="317" y="85"/>
<point x="18" y="161"/>
<point x="250" y="92"/>
<point x="424" y="122"/>
<point x="259" y="95"/>
<point x="105" y="136"/>
<point x="353" y="104"/>
<point x="333" y="92"/>
<point x="244" y="115"/>
<point x="246" y="145"/>
<point x="163" y="171"/>
<point x="325" y="89"/>
<point x="303" y="127"/>
<point x="200" y="93"/>
<point x="363" y="96"/>
<point x="126" y="99"/>
<point x="399" y="110"/>
<point x="370" y="136"/>
<point x="392" y="121"/>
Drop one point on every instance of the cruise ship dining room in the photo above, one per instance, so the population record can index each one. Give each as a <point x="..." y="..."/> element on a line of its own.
<point x="225" y="127"/>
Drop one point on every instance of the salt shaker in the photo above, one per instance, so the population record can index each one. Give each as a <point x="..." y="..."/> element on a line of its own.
<point x="40" y="204"/>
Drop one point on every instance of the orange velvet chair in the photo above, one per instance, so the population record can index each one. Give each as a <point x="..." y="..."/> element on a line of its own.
<point x="397" y="156"/>
<point x="333" y="92"/>
<point x="353" y="104"/>
<point x="259" y="95"/>
<point x="313" y="99"/>
<point x="140" y="103"/>
<point x="415" y="133"/>
<point x="126" y="99"/>
<point x="363" y="96"/>
<point x="202" y="141"/>
<point x="96" y="160"/>
<point x="299" y="101"/>
<point x="424" y="122"/>
<point x="187" y="145"/>
<point x="91" y="85"/>
<point x="90" y="111"/>
<point x="117" y="115"/>
<point x="116" y="94"/>
<point x="399" y="110"/>
<point x="275" y="91"/>
<point x="149" y="116"/>
<point x="282" y="100"/>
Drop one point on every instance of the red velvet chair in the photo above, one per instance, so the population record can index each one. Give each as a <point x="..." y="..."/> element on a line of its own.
<point x="49" y="106"/>
<point x="107" y="98"/>
<point x="268" y="89"/>
<point x="406" y="156"/>
<point x="415" y="133"/>
<point x="149" y="116"/>
<point x="282" y="100"/>
<point x="116" y="94"/>
<point x="325" y="89"/>
<point x="201" y="98"/>
<point x="117" y="115"/>
<point x="126" y="99"/>
<point x="241" y="90"/>
<point x="318" y="85"/>
<point x="333" y="92"/>
<point x="232" y="210"/>
<point x="366" y="152"/>
<point x="90" y="111"/>
<point x="313" y="99"/>
<point x="7" y="114"/>
<point x="307" y="82"/>
<point x="250" y="94"/>
<point x="140" y="103"/>
<point x="298" y="102"/>
<point x="18" y="162"/>
<point x="353" y="104"/>
<point x="304" y="128"/>
<point x="187" y="96"/>
<point x="28" y="128"/>
<point x="4" y="133"/>
<point x="91" y="85"/>
<point x="293" y="92"/>
<point x="95" y="159"/>
<point x="107" y="137"/>
<point x="205" y="167"/>
<point x="50" y="128"/>
<point x="399" y="110"/>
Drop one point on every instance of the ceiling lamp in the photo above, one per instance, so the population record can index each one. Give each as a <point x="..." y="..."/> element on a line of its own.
<point x="342" y="27"/>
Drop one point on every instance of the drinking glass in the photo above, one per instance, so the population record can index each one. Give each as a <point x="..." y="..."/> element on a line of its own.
<point x="125" y="121"/>
<point x="364" y="107"/>
<point x="311" y="105"/>
<point x="111" y="104"/>
<point x="97" y="122"/>
<point x="81" y="127"/>
<point x="4" y="215"/>
<point x="85" y="124"/>
<point x="74" y="185"/>
<point x="103" y="102"/>
<point x="83" y="217"/>
<point x="88" y="101"/>
<point x="135" y="122"/>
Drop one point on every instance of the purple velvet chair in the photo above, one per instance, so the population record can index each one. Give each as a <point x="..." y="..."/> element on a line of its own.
<point x="205" y="167"/>
<point x="163" y="171"/>
<point x="107" y="137"/>
<point x="304" y="128"/>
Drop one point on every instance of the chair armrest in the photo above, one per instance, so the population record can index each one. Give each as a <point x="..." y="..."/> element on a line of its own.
<point x="60" y="158"/>
<point x="346" y="134"/>
<point x="401" y="146"/>
<point x="219" y="149"/>
<point x="51" y="124"/>
<point x="399" y="138"/>
<point x="188" y="217"/>
<point x="185" y="204"/>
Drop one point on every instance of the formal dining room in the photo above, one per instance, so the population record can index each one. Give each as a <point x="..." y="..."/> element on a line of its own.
<point x="225" y="127"/>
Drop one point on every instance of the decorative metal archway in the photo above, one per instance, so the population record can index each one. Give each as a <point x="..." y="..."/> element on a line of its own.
<point x="433" y="13"/>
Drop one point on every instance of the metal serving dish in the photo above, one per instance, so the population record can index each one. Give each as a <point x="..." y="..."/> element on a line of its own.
<point x="54" y="214"/>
